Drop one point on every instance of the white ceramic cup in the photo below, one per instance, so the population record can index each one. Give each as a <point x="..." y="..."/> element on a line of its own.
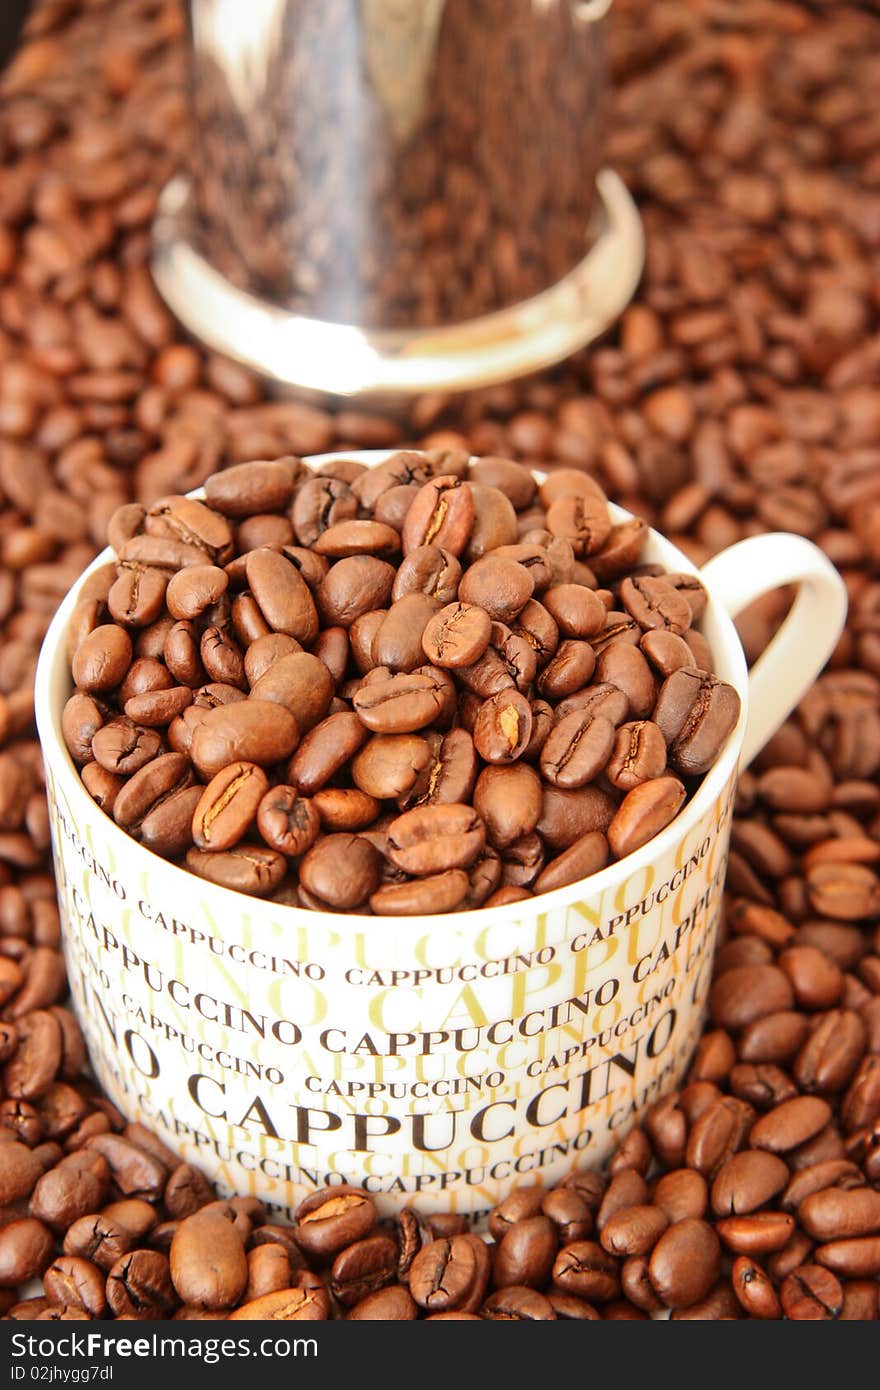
<point x="440" y="1059"/>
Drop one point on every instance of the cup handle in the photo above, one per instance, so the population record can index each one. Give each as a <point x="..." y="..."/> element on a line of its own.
<point x="789" y="665"/>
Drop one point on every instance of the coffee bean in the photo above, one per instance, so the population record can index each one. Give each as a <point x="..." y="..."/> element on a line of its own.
<point x="441" y="515"/>
<point x="835" y="1213"/>
<point x="342" y="871"/>
<point x="329" y="1220"/>
<point x="207" y="1261"/>
<point x="526" y="1252"/>
<point x="790" y="1124"/>
<point x="695" y="713"/>
<point x="244" y="868"/>
<point x="363" y="1268"/>
<point x="26" y="1250"/>
<point x="228" y="806"/>
<point x="140" y="1285"/>
<point x="443" y="1274"/>
<point x="98" y="1238"/>
<point x="432" y="839"/>
<point x="854" y="1257"/>
<point x="286" y="1305"/>
<point x="684" y="1263"/>
<point x="577" y="749"/>
<point x="388" y="1305"/>
<point x="811" y="1294"/>
<point x="402" y="702"/>
<point x="638" y="754"/>
<point x="654" y="604"/>
<point x="585" y="1270"/>
<point x="102" y="659"/>
<point x="749" y="993"/>
<point x="754" y="1290"/>
<point x="503" y="727"/>
<point x="633" y="1230"/>
<point x="518" y="1303"/>
<point x="643" y="813"/>
<point x="457" y="636"/>
<point x="250" y="731"/>
<point x="299" y="682"/>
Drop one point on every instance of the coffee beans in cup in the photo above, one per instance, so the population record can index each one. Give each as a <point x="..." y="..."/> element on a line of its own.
<point x="429" y="686"/>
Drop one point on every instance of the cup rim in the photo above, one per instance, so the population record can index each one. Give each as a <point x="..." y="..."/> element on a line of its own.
<point x="144" y="861"/>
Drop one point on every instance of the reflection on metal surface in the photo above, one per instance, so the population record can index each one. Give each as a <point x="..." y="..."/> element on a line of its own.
<point x="348" y="360"/>
<point x="400" y="41"/>
<point x="395" y="163"/>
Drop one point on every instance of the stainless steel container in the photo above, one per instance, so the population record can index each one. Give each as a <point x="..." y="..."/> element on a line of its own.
<point x="391" y="196"/>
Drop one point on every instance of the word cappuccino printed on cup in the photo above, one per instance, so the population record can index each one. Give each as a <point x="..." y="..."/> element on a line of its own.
<point x="448" y="1072"/>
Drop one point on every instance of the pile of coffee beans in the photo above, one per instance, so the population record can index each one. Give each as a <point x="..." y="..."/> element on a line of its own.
<point x="399" y="689"/>
<point x="399" y="165"/>
<point x="739" y="394"/>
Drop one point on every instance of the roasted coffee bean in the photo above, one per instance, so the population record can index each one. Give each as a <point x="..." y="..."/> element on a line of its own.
<point x="681" y="1193"/>
<point x="526" y="1252"/>
<point x="566" y="816"/>
<point x="839" y="1214"/>
<point x="638" y="754"/>
<point x="98" y="1238"/>
<point x="790" y="1124"/>
<point x="207" y="1261"/>
<point x="299" y="682"/>
<point x="325" y="749"/>
<point x="584" y="1269"/>
<point x="577" y="749"/>
<point x="393" y="1304"/>
<point x="643" y="813"/>
<point x="437" y="893"/>
<point x="228" y="806"/>
<point x="341" y="871"/>
<point x="508" y="801"/>
<point x="363" y="1268"/>
<point x="748" y="993"/>
<point x="286" y="1305"/>
<point x="832" y="1052"/>
<point x="441" y="515"/>
<point x="518" y="1303"/>
<point x="503" y="727"/>
<point x="102" y="659"/>
<point x="684" y="1263"/>
<point x="253" y="731"/>
<point x="140" y="1285"/>
<point x="431" y="839"/>
<point x="633" y="1230"/>
<point x="754" y="1290"/>
<point x="148" y="788"/>
<point x="244" y="868"/>
<point x="655" y="603"/>
<point x="811" y="1294"/>
<point x="759" y="1234"/>
<point x="26" y="1250"/>
<point x="586" y="856"/>
<point x="329" y="1220"/>
<point x="444" y="1274"/>
<point x="696" y="713"/>
<point x="402" y="702"/>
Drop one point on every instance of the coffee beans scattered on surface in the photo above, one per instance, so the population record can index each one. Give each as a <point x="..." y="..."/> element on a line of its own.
<point x="460" y="705"/>
<point x="739" y="394"/>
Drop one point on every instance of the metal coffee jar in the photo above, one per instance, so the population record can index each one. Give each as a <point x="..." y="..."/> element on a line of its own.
<point x="393" y="196"/>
